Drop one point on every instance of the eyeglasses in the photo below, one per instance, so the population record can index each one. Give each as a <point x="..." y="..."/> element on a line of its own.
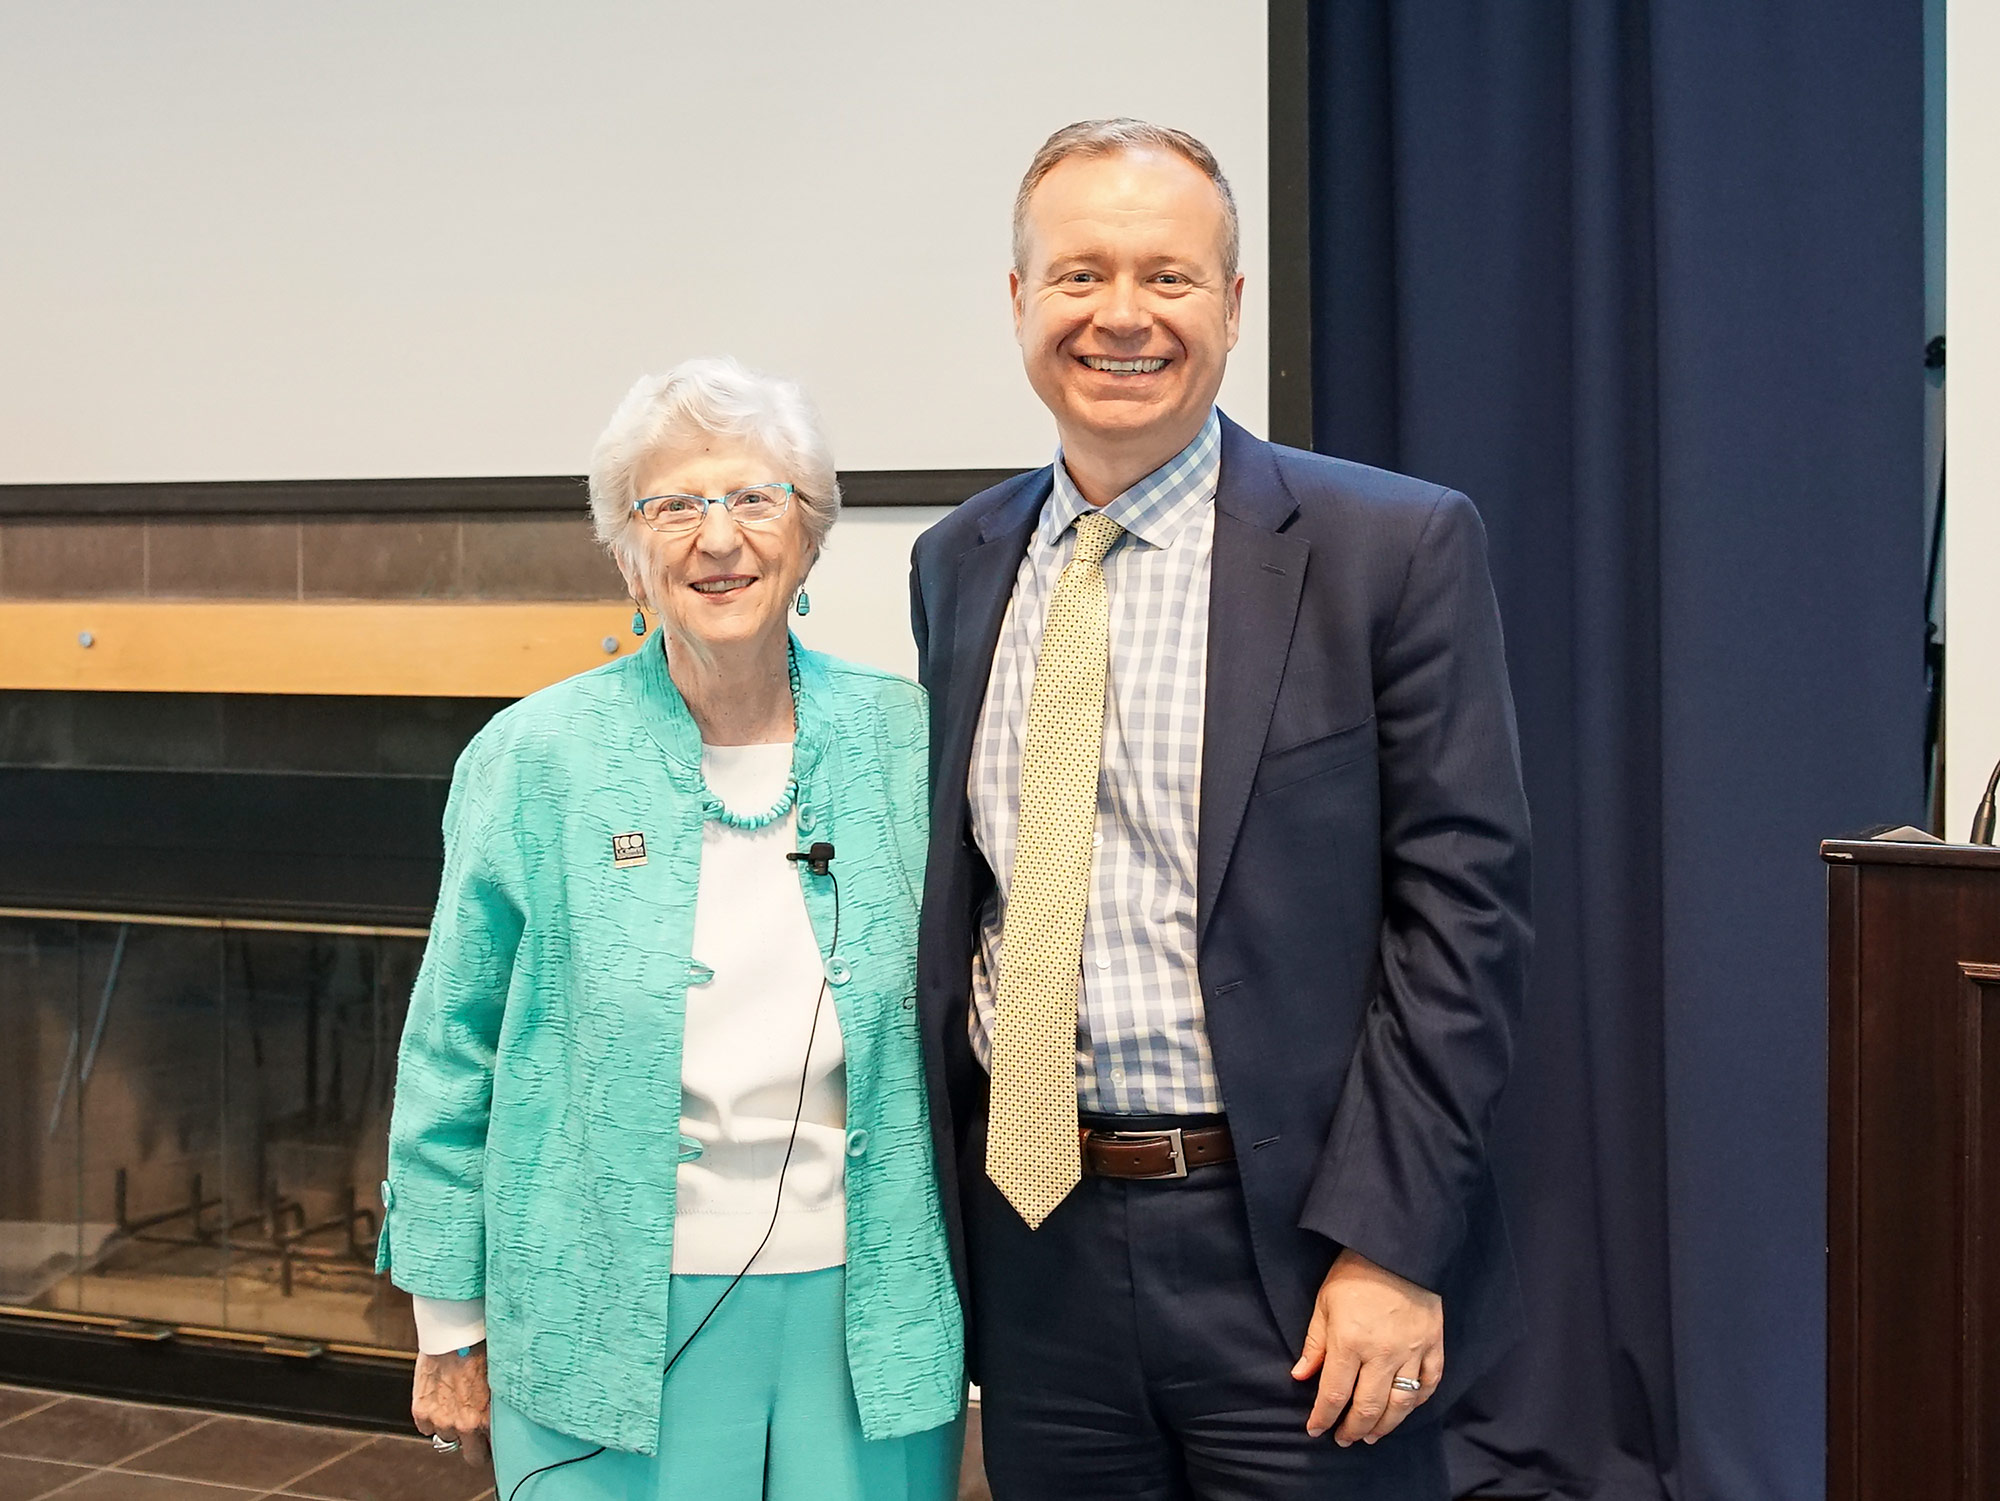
<point x="750" y="506"/>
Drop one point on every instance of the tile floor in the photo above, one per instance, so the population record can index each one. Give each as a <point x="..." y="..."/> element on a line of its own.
<point x="90" y="1449"/>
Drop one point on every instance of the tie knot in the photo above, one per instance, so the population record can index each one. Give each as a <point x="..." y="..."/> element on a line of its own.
<point x="1095" y="534"/>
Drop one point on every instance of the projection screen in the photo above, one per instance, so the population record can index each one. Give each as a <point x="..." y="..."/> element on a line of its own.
<point x="368" y="241"/>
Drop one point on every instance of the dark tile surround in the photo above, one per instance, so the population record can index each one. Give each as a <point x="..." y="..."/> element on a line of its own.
<point x="69" y="560"/>
<point x="381" y="559"/>
<point x="195" y="560"/>
<point x="440" y="557"/>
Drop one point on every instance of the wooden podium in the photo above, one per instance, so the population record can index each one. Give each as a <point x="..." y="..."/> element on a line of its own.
<point x="1913" y="1186"/>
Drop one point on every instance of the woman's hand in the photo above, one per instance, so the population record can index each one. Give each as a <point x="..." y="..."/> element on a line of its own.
<point x="450" y="1399"/>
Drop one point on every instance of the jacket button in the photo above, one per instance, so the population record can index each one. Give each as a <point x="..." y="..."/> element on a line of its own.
<point x="690" y="1149"/>
<point x="388" y="1194"/>
<point x="806" y="819"/>
<point x="699" y="973"/>
<point x="837" y="970"/>
<point x="857" y="1143"/>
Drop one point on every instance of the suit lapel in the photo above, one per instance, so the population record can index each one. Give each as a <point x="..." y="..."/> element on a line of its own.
<point x="985" y="583"/>
<point x="1255" y="579"/>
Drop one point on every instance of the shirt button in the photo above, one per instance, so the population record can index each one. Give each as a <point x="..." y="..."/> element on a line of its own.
<point x="1097" y="840"/>
<point x="1104" y="961"/>
<point x="837" y="970"/>
<point x="1118" y="1075"/>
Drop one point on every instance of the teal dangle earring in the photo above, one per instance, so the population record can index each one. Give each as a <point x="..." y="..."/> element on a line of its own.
<point x="638" y="621"/>
<point x="805" y="605"/>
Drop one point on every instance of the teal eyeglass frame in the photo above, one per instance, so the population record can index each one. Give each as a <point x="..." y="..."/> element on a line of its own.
<point x="726" y="501"/>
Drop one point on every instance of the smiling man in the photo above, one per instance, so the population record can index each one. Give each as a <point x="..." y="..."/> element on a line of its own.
<point x="1226" y="915"/>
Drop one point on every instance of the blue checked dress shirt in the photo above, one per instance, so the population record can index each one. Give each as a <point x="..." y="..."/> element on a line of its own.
<point x="1142" y="1042"/>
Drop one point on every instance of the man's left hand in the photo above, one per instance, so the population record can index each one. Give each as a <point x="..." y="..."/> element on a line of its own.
<point x="1369" y="1327"/>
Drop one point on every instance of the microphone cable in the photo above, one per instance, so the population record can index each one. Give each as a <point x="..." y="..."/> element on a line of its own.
<point x="821" y="866"/>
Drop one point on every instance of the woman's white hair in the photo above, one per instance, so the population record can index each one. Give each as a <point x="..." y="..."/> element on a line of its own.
<point x="715" y="397"/>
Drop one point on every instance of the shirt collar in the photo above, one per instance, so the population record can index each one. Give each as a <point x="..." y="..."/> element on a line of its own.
<point x="1158" y="508"/>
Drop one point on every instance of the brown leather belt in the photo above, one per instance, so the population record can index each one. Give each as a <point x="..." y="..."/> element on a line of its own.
<point x="1154" y="1154"/>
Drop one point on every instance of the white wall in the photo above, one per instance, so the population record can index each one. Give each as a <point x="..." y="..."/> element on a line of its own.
<point x="860" y="589"/>
<point x="1972" y="255"/>
<point x="257" y="240"/>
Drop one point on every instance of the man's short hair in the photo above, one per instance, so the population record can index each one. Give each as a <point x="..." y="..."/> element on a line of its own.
<point x="1092" y="138"/>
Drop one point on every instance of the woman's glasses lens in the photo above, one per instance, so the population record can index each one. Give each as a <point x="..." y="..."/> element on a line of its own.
<point x="758" y="504"/>
<point x="681" y="513"/>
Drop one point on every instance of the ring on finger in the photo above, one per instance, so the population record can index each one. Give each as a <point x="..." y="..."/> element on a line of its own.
<point x="1407" y="1384"/>
<point x="444" y="1445"/>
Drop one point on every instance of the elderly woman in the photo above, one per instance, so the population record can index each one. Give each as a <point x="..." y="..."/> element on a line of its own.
<point x="660" y="1169"/>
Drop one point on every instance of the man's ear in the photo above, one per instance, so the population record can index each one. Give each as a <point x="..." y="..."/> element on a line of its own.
<point x="1014" y="296"/>
<point x="1234" y="318"/>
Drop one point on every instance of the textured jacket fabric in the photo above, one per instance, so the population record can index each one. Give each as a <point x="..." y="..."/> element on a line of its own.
<point x="536" y="1137"/>
<point x="1363" y="890"/>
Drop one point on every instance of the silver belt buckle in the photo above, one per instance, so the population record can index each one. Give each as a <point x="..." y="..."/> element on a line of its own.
<point x="1174" y="1145"/>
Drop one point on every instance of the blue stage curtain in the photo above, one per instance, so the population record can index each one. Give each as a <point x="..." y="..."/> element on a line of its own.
<point x="1645" y="280"/>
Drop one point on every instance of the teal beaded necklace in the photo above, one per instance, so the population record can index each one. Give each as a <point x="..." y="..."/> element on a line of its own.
<point x="712" y="807"/>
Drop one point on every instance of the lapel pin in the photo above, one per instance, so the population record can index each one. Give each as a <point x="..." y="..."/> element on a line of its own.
<point x="628" y="850"/>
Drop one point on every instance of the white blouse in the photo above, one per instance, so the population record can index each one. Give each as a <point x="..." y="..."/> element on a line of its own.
<point x="742" y="1054"/>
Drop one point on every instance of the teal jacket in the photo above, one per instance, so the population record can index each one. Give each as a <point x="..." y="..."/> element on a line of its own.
<point x="536" y="1138"/>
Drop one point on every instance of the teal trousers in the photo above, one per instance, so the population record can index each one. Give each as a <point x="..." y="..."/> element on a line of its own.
<point x="760" y="1408"/>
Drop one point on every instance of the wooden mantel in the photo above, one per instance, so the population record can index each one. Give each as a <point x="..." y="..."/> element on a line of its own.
<point x="436" y="649"/>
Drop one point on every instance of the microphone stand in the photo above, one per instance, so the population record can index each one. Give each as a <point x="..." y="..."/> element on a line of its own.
<point x="1983" y="818"/>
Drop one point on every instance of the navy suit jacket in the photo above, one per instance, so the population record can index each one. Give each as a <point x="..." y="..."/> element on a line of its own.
<point x="1362" y="884"/>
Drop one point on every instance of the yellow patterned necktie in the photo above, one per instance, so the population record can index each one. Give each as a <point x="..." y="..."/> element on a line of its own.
<point x="1032" y="1152"/>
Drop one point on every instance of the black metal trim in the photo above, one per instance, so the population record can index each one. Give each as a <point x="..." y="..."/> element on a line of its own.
<point x="111" y="902"/>
<point x="1290" y="220"/>
<point x="349" y="1390"/>
<point x="917" y="487"/>
<point x="500" y="495"/>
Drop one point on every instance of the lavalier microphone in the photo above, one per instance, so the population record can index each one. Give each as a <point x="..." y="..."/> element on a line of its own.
<point x="817" y="858"/>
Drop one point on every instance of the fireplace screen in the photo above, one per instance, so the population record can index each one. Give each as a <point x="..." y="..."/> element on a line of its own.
<point x="195" y="1121"/>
